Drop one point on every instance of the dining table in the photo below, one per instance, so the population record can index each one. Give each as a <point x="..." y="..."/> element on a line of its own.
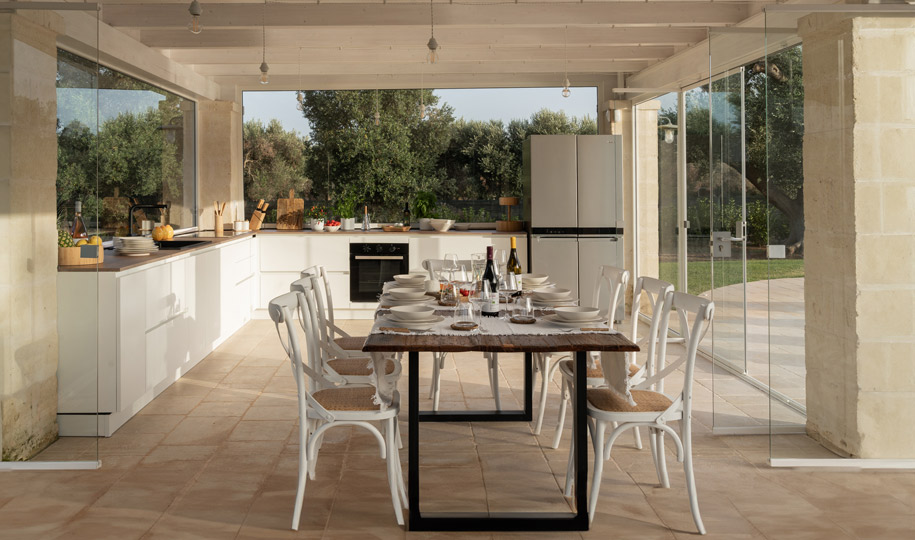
<point x="497" y="335"/>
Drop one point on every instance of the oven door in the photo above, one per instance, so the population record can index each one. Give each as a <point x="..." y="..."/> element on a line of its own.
<point x="368" y="274"/>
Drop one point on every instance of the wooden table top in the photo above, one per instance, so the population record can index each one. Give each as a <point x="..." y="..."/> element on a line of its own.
<point x="508" y="344"/>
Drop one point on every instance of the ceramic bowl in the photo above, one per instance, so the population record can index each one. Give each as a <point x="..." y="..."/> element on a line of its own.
<point x="551" y="293"/>
<point x="441" y="225"/>
<point x="574" y="313"/>
<point x="331" y="228"/>
<point x="462" y="226"/>
<point x="413" y="313"/>
<point x="534" y="279"/>
<point x="411" y="280"/>
<point x="407" y="293"/>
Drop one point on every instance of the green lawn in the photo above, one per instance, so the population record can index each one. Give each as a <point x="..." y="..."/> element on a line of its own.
<point x="699" y="277"/>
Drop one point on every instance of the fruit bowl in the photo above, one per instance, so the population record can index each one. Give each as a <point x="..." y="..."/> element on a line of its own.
<point x="331" y="228"/>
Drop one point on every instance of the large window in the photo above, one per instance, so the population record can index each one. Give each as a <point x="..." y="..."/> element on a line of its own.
<point x="443" y="153"/>
<point x="137" y="139"/>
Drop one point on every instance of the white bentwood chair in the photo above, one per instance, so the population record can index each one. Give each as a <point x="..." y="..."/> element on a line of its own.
<point x="464" y="273"/>
<point x="333" y="333"/>
<point x="353" y="366"/>
<point x="654" y="409"/>
<point x="332" y="406"/>
<point x="613" y="280"/>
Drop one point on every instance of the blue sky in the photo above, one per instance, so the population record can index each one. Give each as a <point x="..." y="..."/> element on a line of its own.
<point x="474" y="104"/>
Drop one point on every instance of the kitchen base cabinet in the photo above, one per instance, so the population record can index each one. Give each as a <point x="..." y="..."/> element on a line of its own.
<point x="127" y="336"/>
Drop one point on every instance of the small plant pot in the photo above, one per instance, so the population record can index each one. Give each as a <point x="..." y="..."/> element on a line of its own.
<point x="425" y="224"/>
<point x="348" y="224"/>
<point x="317" y="225"/>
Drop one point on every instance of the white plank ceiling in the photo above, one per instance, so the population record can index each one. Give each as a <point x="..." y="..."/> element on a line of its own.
<point x="382" y="44"/>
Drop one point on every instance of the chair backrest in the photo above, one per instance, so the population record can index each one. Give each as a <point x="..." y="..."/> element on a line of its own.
<point x="695" y="315"/>
<point x="282" y="311"/>
<point x="656" y="291"/>
<point x="463" y="273"/>
<point x="614" y="280"/>
<point x="315" y="327"/>
<point x="323" y="292"/>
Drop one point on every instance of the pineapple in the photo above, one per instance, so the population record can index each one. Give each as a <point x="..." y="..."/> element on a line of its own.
<point x="64" y="239"/>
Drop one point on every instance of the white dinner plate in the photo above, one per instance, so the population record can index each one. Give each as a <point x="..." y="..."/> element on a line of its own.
<point x="556" y="319"/>
<point x="388" y="300"/>
<point x="414" y="325"/>
<point x="554" y="303"/>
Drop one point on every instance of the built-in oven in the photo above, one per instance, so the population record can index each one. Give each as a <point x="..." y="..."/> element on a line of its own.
<point x="371" y="265"/>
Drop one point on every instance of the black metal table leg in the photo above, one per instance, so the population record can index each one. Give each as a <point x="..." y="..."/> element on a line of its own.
<point x="511" y="521"/>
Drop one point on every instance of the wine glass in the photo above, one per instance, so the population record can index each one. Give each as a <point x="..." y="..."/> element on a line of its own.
<point x="478" y="265"/>
<point x="450" y="265"/>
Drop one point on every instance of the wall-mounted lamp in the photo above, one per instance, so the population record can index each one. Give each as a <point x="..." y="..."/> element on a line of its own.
<point x="670" y="130"/>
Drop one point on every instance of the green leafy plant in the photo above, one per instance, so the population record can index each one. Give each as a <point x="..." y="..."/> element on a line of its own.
<point x="424" y="205"/>
<point x="474" y="215"/>
<point x="345" y="207"/>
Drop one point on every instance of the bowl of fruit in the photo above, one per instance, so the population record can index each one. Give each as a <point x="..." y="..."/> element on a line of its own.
<point x="332" y="226"/>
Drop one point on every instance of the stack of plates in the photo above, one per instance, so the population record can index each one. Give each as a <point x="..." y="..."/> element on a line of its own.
<point x="576" y="316"/>
<point x="414" y="317"/>
<point x="552" y="296"/>
<point x="134" y="246"/>
<point x="388" y="300"/>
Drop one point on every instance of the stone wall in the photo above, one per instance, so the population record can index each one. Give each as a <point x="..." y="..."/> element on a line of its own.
<point x="219" y="156"/>
<point x="28" y="216"/>
<point x="859" y="198"/>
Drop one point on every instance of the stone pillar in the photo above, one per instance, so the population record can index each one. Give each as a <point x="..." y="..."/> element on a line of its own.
<point x="859" y="198"/>
<point x="646" y="172"/>
<point x="28" y="227"/>
<point x="219" y="158"/>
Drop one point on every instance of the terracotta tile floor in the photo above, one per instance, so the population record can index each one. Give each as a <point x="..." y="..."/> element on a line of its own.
<point x="215" y="457"/>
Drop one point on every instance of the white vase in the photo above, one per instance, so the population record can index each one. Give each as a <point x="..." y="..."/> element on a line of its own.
<point x="317" y="225"/>
<point x="348" y="224"/>
<point x="424" y="224"/>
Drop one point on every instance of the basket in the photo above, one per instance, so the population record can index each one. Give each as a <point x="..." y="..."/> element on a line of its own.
<point x="72" y="256"/>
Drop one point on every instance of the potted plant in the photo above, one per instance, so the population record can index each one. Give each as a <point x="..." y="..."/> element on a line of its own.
<point x="317" y="214"/>
<point x="424" y="205"/>
<point x="346" y="211"/>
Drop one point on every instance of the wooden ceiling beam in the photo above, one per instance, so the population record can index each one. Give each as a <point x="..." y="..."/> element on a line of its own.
<point x="671" y="14"/>
<point x="390" y="37"/>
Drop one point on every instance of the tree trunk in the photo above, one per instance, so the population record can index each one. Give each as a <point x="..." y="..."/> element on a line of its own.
<point x="792" y="208"/>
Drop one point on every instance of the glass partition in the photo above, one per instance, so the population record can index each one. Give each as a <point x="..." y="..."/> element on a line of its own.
<point x="50" y="327"/>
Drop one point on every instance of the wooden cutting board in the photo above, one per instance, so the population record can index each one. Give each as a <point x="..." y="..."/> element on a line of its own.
<point x="290" y="212"/>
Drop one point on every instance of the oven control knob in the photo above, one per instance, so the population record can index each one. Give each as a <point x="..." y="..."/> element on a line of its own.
<point x="366" y="248"/>
<point x="392" y="249"/>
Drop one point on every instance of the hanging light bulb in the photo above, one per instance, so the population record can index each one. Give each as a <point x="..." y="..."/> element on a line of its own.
<point x="377" y="114"/>
<point x="433" y="55"/>
<point x="566" y="91"/>
<point x="299" y="96"/>
<point x="265" y="69"/>
<point x="196" y="11"/>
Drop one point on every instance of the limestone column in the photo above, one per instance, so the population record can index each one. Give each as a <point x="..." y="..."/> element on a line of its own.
<point x="645" y="173"/>
<point x="859" y="198"/>
<point x="219" y="158"/>
<point x="28" y="227"/>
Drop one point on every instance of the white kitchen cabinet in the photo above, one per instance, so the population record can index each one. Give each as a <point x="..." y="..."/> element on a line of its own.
<point x="160" y="320"/>
<point x="282" y="252"/>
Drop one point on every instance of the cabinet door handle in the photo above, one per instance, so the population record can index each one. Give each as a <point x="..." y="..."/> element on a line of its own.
<point x="378" y="257"/>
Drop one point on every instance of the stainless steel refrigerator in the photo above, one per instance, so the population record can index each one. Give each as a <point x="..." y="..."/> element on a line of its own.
<point x="573" y="203"/>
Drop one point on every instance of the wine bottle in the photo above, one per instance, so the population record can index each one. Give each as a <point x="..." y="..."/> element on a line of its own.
<point x="79" y="226"/>
<point x="406" y="214"/>
<point x="490" y="307"/>
<point x="514" y="263"/>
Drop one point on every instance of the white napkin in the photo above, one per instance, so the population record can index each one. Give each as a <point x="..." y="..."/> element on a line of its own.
<point x="616" y="374"/>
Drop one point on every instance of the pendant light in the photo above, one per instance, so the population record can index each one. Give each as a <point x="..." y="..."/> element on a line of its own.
<point x="377" y="113"/>
<point x="265" y="69"/>
<point x="566" y="92"/>
<point x="432" y="45"/>
<point x="299" y="96"/>
<point x="422" y="104"/>
<point x="196" y="11"/>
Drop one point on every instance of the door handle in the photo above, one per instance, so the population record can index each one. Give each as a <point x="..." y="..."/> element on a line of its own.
<point x="741" y="228"/>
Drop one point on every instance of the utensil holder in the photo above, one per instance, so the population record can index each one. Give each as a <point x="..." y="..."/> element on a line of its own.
<point x="217" y="226"/>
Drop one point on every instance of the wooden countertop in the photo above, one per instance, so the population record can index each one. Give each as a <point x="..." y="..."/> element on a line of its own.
<point x="119" y="263"/>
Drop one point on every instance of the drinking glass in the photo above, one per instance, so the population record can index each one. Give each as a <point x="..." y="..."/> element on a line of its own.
<point x="450" y="265"/>
<point x="463" y="313"/>
<point x="521" y="308"/>
<point x="478" y="263"/>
